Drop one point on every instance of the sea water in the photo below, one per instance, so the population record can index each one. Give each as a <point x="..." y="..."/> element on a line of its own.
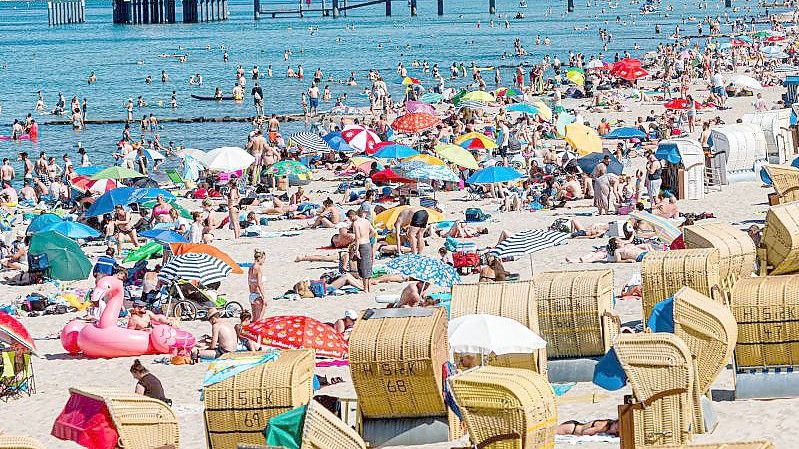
<point x="34" y="56"/>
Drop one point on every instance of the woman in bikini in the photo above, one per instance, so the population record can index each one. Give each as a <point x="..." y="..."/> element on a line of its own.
<point x="161" y="210"/>
<point x="596" y="427"/>
<point x="256" y="283"/>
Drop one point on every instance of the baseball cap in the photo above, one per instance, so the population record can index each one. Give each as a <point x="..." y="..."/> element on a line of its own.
<point x="139" y="303"/>
<point x="351" y="314"/>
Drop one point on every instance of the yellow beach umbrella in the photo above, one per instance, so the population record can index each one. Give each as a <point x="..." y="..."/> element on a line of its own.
<point x="360" y="160"/>
<point x="583" y="139"/>
<point x="426" y="158"/>
<point x="576" y="77"/>
<point x="482" y="141"/>
<point x="388" y="218"/>
<point x="457" y="155"/>
<point x="479" y="96"/>
<point x="543" y="110"/>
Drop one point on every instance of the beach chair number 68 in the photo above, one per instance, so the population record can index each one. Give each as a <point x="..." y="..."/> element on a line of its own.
<point x="252" y="419"/>
<point x="393" y="386"/>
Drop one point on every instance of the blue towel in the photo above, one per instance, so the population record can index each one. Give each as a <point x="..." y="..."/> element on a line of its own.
<point x="662" y="317"/>
<point x="608" y="373"/>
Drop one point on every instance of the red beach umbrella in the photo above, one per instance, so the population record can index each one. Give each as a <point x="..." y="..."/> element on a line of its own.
<point x="415" y="122"/>
<point x="387" y="176"/>
<point x="12" y="331"/>
<point x="297" y="332"/>
<point x="682" y="104"/>
<point x="360" y="138"/>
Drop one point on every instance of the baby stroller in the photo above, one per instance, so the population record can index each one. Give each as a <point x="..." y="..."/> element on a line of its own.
<point x="189" y="302"/>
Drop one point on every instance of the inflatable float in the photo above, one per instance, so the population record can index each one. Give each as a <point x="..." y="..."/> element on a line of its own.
<point x="21" y="137"/>
<point x="206" y="98"/>
<point x="104" y="339"/>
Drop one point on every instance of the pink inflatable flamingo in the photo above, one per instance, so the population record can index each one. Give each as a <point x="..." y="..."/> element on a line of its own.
<point x="106" y="339"/>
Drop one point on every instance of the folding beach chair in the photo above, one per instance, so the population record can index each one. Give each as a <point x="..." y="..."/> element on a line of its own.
<point x="16" y="377"/>
<point x="176" y="179"/>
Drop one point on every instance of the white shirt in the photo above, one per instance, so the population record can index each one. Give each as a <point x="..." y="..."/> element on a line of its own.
<point x="717" y="80"/>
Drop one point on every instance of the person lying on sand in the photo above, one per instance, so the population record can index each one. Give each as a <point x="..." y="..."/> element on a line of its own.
<point x="596" y="427"/>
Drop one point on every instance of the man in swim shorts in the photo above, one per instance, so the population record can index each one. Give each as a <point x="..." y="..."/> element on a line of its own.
<point x="364" y="233"/>
<point x="415" y="219"/>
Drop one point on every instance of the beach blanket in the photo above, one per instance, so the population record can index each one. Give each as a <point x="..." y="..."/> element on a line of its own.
<point x="222" y="369"/>
<point x="529" y="241"/>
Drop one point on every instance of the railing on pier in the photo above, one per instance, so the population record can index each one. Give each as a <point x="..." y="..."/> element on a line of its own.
<point x="135" y="12"/>
<point x="63" y="12"/>
<point x="333" y="8"/>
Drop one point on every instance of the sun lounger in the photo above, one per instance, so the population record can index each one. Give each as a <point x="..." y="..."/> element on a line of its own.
<point x="16" y="375"/>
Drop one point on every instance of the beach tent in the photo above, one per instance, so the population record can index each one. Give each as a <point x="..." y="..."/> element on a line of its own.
<point x="67" y="260"/>
<point x="743" y="151"/>
<point x="776" y="126"/>
<point x="689" y="154"/>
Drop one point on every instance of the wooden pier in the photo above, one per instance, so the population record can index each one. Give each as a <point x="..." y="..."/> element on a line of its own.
<point x="139" y="12"/>
<point x="195" y="11"/>
<point x="337" y="8"/>
<point x="64" y="12"/>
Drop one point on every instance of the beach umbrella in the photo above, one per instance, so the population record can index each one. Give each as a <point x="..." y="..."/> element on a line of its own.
<point x="479" y="96"/>
<point x="625" y="133"/>
<point x="575" y="77"/>
<point x="493" y="175"/>
<point x="773" y="52"/>
<point x="415" y="122"/>
<point x="297" y="332"/>
<point x="193" y="152"/>
<point x="473" y="105"/>
<point x="395" y="151"/>
<point x="335" y="141"/>
<point x="418" y="106"/>
<point x="761" y="34"/>
<point x="746" y="82"/>
<point x="433" y="172"/>
<point x="12" y="331"/>
<point x="425" y="158"/>
<point x="631" y="73"/>
<point x="596" y="64"/>
<point x="425" y="269"/>
<point x="66" y="258"/>
<point x="522" y="107"/>
<point x="102" y="185"/>
<point x="164" y="236"/>
<point x="775" y="38"/>
<point x="564" y="118"/>
<point x="360" y="138"/>
<point x="475" y="141"/>
<point x="588" y="162"/>
<point x="148" y="154"/>
<point x="41" y="222"/>
<point x="583" y="139"/>
<point x="116" y="172"/>
<point x="457" y="155"/>
<point x="388" y="218"/>
<point x="405" y="167"/>
<point x="681" y="103"/>
<point x="146" y="183"/>
<point x="228" y="159"/>
<point x="201" y="248"/>
<point x="387" y="176"/>
<point x="309" y="142"/>
<point x="543" y="110"/>
<point x="507" y="92"/>
<point x="203" y="268"/>
<point x="528" y="242"/>
<point x="72" y="229"/>
<point x="408" y="80"/>
<point x="144" y="252"/>
<point x="88" y="171"/>
<point x="664" y="229"/>
<point x="80" y="183"/>
<point x="491" y="334"/>
<point x="151" y="193"/>
<point x="175" y="205"/>
<point x="289" y="167"/>
<point x="431" y="97"/>
<point x="107" y="201"/>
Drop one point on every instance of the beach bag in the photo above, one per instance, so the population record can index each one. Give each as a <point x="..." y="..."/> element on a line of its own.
<point x="318" y="288"/>
<point x="34" y="303"/>
<point x="475" y="214"/>
<point x="462" y="260"/>
<point x="38" y="262"/>
<point x="561" y="225"/>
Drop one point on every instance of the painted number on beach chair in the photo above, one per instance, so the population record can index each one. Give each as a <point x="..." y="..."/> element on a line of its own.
<point x="396" y="386"/>
<point x="253" y="420"/>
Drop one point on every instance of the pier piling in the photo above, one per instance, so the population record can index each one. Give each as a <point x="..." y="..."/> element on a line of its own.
<point x="492" y="6"/>
<point x="440" y="7"/>
<point x="62" y="12"/>
<point x="570" y="6"/>
<point x="413" y="8"/>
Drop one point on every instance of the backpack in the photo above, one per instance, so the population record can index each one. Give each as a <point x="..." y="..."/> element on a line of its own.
<point x="38" y="262"/>
<point x="461" y="259"/>
<point x="475" y="214"/>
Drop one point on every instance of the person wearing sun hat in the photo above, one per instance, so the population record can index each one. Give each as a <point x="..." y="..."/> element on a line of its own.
<point x="223" y="337"/>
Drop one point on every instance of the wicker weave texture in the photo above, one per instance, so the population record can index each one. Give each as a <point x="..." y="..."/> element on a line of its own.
<point x="141" y="422"/>
<point x="767" y="312"/>
<point x="665" y="272"/>
<point x="515" y="300"/>
<point x="324" y="430"/>
<point x="571" y="307"/>
<point x="763" y="444"/>
<point x="785" y="181"/>
<point x="502" y="401"/>
<point x="781" y="238"/>
<point x="397" y="365"/>
<point x="19" y="442"/>
<point x="737" y="251"/>
<point x="657" y="363"/>
<point x="238" y="409"/>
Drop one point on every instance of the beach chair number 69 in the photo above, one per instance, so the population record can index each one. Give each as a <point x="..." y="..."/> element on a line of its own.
<point x="393" y="386"/>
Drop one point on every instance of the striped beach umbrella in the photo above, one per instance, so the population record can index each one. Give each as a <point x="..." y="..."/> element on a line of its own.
<point x="102" y="185"/>
<point x="195" y="266"/>
<point x="528" y="242"/>
<point x="360" y="138"/>
<point x="309" y="142"/>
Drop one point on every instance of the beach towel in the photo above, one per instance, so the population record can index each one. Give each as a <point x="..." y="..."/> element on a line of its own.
<point x="220" y="370"/>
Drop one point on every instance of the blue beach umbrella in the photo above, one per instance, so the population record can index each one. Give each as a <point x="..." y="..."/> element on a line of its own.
<point x="625" y="133"/>
<point x="337" y="142"/>
<point x="668" y="152"/>
<point x="433" y="172"/>
<point x="395" y="151"/>
<point x="493" y="175"/>
<point x="107" y="201"/>
<point x="522" y="107"/>
<point x="72" y="229"/>
<point x="89" y="171"/>
<point x="164" y="236"/>
<point x="151" y="193"/>
<point x="42" y="221"/>
<point x="425" y="269"/>
<point x="588" y="162"/>
<point x="431" y="97"/>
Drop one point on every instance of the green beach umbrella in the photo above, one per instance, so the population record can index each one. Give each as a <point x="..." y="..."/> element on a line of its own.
<point x="116" y="172"/>
<point x="66" y="258"/>
<point x="457" y="98"/>
<point x="288" y="168"/>
<point x="181" y="210"/>
<point x="144" y="252"/>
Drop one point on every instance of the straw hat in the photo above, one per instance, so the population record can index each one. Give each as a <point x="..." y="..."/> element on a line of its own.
<point x="211" y="313"/>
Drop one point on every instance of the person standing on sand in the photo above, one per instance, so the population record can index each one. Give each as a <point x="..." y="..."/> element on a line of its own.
<point x="256" y="147"/>
<point x="364" y="235"/>
<point x="415" y="218"/>
<point x="255" y="280"/>
<point x="233" y="207"/>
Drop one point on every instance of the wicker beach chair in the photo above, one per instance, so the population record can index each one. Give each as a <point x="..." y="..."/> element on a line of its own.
<point x="665" y="272"/>
<point x="710" y="332"/>
<point x="324" y="430"/>
<point x="515" y="300"/>
<point x="737" y="252"/>
<point x="506" y="408"/>
<point x="660" y="371"/>
<point x="762" y="444"/>
<point x="142" y="422"/>
<point x="238" y="409"/>
<point x="785" y="180"/>
<point x="19" y="442"/>
<point x="779" y="251"/>
<point x="397" y="358"/>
